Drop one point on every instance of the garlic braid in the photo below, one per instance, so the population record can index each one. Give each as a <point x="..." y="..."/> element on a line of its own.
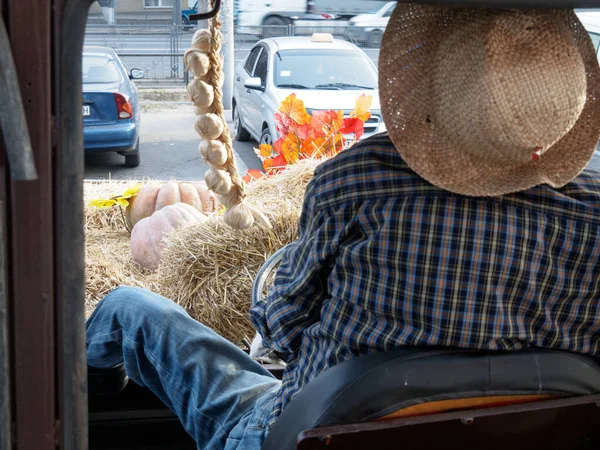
<point x="205" y="91"/>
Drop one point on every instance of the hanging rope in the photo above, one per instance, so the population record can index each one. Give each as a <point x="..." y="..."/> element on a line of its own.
<point x="205" y="90"/>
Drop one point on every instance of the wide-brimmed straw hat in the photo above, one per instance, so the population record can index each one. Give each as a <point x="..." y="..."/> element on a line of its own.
<point x="486" y="102"/>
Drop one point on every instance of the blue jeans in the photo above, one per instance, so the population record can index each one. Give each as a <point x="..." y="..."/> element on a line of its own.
<point x="220" y="394"/>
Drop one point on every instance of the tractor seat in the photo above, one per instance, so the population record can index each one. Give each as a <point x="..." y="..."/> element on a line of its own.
<point x="429" y="382"/>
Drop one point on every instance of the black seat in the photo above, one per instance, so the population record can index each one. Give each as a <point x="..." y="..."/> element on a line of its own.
<point x="370" y="387"/>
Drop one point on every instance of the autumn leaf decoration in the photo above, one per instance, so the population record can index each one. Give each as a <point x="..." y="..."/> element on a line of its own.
<point x="324" y="134"/>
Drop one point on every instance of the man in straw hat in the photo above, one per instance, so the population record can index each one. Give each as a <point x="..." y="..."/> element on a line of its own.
<point x="473" y="225"/>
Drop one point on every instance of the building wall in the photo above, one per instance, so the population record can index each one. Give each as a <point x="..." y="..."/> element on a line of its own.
<point x="129" y="6"/>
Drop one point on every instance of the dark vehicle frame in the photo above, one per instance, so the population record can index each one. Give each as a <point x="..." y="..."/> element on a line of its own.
<point x="43" y="392"/>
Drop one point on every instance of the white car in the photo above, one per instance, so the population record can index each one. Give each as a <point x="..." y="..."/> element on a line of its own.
<point x="323" y="72"/>
<point x="369" y="28"/>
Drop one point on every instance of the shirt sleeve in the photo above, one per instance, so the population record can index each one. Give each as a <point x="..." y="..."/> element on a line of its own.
<point x="300" y="285"/>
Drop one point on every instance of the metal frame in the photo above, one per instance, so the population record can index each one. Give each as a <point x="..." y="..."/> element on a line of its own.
<point x="437" y="430"/>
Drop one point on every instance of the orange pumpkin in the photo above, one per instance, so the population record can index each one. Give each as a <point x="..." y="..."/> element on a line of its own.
<point x="153" y="197"/>
<point x="147" y="235"/>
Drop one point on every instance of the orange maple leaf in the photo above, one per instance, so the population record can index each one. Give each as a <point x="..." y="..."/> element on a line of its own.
<point x="265" y="150"/>
<point x="290" y="148"/>
<point x="252" y="174"/>
<point x="275" y="164"/>
<point x="361" y="108"/>
<point x="315" y="147"/>
<point x="294" y="109"/>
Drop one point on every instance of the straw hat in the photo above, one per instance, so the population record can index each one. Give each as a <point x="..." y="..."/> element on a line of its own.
<point x="486" y="102"/>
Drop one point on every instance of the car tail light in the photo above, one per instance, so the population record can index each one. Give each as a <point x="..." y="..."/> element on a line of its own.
<point x="124" y="108"/>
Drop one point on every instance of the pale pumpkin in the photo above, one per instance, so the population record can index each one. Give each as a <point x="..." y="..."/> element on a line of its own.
<point x="147" y="235"/>
<point x="210" y="201"/>
<point x="152" y="197"/>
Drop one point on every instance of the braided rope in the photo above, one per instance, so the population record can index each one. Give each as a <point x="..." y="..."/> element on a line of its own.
<point x="204" y="58"/>
<point x="213" y="77"/>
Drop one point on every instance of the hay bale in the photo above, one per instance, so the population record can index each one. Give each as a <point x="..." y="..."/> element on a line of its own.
<point x="209" y="268"/>
<point x="287" y="187"/>
<point x="108" y="264"/>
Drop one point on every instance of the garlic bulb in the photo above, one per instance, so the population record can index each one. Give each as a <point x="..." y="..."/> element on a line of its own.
<point x="260" y="218"/>
<point x="201" y="40"/>
<point x="213" y="152"/>
<point x="238" y="216"/>
<point x="231" y="198"/>
<point x="197" y="62"/>
<point x="218" y="181"/>
<point x="201" y="93"/>
<point x="209" y="126"/>
<point x="199" y="110"/>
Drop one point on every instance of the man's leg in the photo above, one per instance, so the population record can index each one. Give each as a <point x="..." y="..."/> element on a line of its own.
<point x="206" y="380"/>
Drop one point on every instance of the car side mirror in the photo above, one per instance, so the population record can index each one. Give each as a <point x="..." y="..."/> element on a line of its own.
<point x="254" y="83"/>
<point x="136" y="74"/>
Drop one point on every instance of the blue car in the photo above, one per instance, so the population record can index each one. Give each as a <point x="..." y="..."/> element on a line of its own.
<point x="111" y="113"/>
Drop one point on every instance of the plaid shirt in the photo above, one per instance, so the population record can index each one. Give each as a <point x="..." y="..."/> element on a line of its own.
<point x="385" y="259"/>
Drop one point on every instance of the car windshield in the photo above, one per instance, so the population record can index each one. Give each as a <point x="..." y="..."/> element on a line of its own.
<point x="100" y="69"/>
<point x="324" y="69"/>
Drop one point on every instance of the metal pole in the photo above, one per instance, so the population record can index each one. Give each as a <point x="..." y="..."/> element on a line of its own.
<point x="227" y="28"/>
<point x="108" y="10"/>
<point x="177" y="12"/>
<point x="203" y="5"/>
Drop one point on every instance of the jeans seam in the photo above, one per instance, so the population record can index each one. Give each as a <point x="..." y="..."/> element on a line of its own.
<point x="148" y="353"/>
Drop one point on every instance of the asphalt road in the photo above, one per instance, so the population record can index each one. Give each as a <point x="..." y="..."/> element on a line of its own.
<point x="169" y="150"/>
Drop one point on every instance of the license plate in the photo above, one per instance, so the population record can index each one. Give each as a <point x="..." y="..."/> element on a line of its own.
<point x="85" y="110"/>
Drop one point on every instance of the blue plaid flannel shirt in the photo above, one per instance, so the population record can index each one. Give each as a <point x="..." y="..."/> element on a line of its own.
<point x="385" y="259"/>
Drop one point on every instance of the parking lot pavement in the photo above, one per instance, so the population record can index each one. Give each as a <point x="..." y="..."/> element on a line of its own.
<point x="169" y="150"/>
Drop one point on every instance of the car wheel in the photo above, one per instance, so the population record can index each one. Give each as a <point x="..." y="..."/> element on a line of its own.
<point x="133" y="160"/>
<point x="374" y="39"/>
<point x="265" y="137"/>
<point x="241" y="134"/>
<point x="274" y="27"/>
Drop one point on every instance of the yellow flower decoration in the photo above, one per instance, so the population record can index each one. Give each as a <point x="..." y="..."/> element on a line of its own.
<point x="131" y="191"/>
<point x="102" y="203"/>
<point x="122" y="202"/>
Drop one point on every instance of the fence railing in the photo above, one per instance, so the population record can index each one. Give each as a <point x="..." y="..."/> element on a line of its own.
<point x="158" y="49"/>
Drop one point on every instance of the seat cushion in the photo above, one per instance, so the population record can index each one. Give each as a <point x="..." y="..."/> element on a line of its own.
<point x="373" y="386"/>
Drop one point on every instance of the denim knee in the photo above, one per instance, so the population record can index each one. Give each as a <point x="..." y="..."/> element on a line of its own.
<point x="125" y="298"/>
<point x="129" y="299"/>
